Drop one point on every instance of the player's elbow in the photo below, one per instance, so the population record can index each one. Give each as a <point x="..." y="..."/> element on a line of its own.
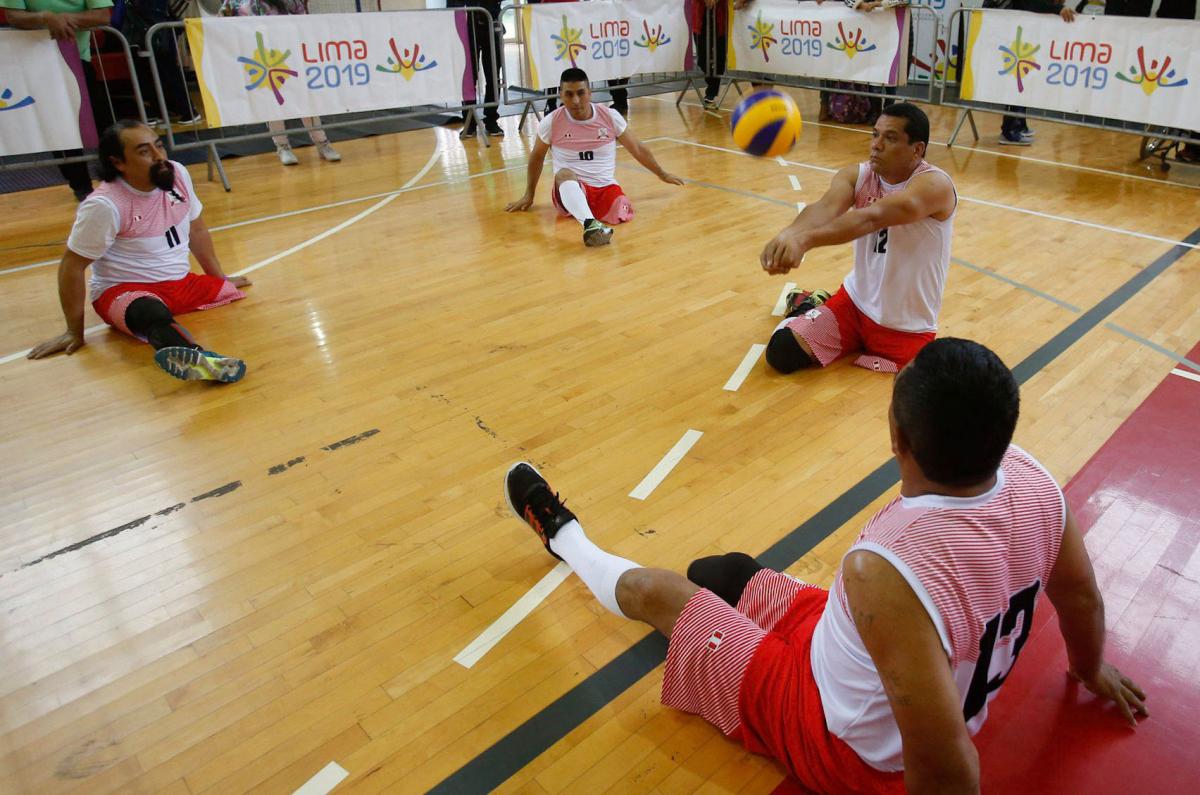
<point x="944" y="770"/>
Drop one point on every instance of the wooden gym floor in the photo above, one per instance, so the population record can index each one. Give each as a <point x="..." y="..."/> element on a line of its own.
<point x="225" y="589"/>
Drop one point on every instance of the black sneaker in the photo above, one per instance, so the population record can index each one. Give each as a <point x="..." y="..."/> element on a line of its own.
<point x="531" y="500"/>
<point x="800" y="301"/>
<point x="596" y="233"/>
<point x="493" y="129"/>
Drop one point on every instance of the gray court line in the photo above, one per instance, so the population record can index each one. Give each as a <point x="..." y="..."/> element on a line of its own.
<point x="1017" y="284"/>
<point x="1170" y="354"/>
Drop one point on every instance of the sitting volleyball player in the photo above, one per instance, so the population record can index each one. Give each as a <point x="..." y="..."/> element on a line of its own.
<point x="583" y="137"/>
<point x="136" y="230"/>
<point x="898" y="210"/>
<point x="877" y="684"/>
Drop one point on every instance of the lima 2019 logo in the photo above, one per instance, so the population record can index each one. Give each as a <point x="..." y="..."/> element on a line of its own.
<point x="1153" y="77"/>
<point x="267" y="68"/>
<point x="1018" y="59"/>
<point x="6" y="104"/>
<point x="1084" y="64"/>
<point x="568" y="43"/>
<point x="611" y="38"/>
<point x="802" y="37"/>
<point x="406" y="65"/>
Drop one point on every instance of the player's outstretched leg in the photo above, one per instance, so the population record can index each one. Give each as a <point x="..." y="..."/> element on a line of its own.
<point x="574" y="201"/>
<point x="175" y="351"/>
<point x="655" y="596"/>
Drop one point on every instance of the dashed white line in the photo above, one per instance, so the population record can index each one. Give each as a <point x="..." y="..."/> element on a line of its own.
<point x="324" y="781"/>
<point x="664" y="467"/>
<point x="781" y="302"/>
<point x="800" y="207"/>
<point x="512" y="616"/>
<point x="795" y="182"/>
<point x="739" y="375"/>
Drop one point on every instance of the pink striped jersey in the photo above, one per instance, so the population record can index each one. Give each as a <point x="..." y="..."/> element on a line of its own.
<point x="900" y="272"/>
<point x="977" y="565"/>
<point x="136" y="236"/>
<point x="589" y="148"/>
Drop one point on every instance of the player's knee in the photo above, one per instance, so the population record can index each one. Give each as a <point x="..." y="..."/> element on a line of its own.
<point x="725" y="575"/>
<point x="146" y="313"/>
<point x="784" y="353"/>
<point x="564" y="175"/>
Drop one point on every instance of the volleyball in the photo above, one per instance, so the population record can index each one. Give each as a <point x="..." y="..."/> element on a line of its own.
<point x="766" y="123"/>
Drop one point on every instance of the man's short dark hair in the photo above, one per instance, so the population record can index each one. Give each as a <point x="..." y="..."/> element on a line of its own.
<point x="956" y="406"/>
<point x="111" y="146"/>
<point x="916" y="123"/>
<point x="573" y="75"/>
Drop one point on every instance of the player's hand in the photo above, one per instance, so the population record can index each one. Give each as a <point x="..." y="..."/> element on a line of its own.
<point x="240" y="282"/>
<point x="1067" y="13"/>
<point x="59" y="25"/>
<point x="523" y="203"/>
<point x="1111" y="684"/>
<point x="785" y="251"/>
<point x="670" y="178"/>
<point x="69" y="342"/>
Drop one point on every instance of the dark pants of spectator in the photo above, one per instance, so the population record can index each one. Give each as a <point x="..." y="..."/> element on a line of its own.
<point x="712" y="85"/>
<point x="620" y="94"/>
<point x="77" y="174"/>
<point x="484" y="44"/>
<point x="166" y="58"/>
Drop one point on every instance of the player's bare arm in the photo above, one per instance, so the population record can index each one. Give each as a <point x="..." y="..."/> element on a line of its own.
<point x="72" y="294"/>
<point x="644" y="156"/>
<point x="904" y="645"/>
<point x="201" y="245"/>
<point x="836" y="201"/>
<point x="537" y="159"/>
<point x="928" y="195"/>
<point x="1073" y="592"/>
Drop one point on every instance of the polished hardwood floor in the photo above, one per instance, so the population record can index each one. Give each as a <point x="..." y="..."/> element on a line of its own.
<point x="293" y="562"/>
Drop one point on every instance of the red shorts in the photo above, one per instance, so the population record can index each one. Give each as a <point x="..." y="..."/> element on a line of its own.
<point x="749" y="672"/>
<point x="189" y="294"/>
<point x="608" y="204"/>
<point x="838" y="328"/>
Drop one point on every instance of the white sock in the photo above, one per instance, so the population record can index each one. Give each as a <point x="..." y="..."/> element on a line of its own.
<point x="598" y="569"/>
<point x="572" y="198"/>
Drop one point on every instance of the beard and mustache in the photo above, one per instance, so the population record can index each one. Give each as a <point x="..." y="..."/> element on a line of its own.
<point x="163" y="175"/>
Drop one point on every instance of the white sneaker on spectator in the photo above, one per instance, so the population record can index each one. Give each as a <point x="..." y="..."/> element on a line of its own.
<point x="328" y="153"/>
<point x="286" y="155"/>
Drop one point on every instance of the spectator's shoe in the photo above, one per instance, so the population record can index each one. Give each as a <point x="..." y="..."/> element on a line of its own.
<point x="530" y="499"/>
<point x="286" y="155"/>
<point x="711" y="103"/>
<point x="493" y="129"/>
<point x="1014" y="139"/>
<point x="193" y="364"/>
<point x="1188" y="153"/>
<point x="799" y="302"/>
<point x="596" y="233"/>
<point x="468" y="130"/>
<point x="328" y="153"/>
<point x="188" y="121"/>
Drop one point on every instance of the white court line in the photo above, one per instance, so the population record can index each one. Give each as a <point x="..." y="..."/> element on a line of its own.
<point x="800" y="207"/>
<point x="664" y="467"/>
<point x="329" y="777"/>
<point x="795" y="182"/>
<point x="739" y="375"/>
<point x="985" y="202"/>
<point x="1186" y="374"/>
<point x="781" y="302"/>
<point x="1106" y="171"/>
<point x="779" y="159"/>
<point x="512" y="616"/>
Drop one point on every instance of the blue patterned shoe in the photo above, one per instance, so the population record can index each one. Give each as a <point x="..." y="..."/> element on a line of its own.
<point x="193" y="364"/>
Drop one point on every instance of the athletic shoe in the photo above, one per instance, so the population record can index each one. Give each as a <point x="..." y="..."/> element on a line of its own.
<point x="468" y="130"/>
<point x="530" y="499"/>
<point x="596" y="233"/>
<point x="1014" y="139"/>
<point x="493" y="129"/>
<point x="711" y="103"/>
<point x="328" y="153"/>
<point x="286" y="155"/>
<point x="799" y="302"/>
<point x="184" y="121"/>
<point x="193" y="364"/>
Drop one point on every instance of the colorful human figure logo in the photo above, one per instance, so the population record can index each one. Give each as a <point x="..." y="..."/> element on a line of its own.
<point x="651" y="41"/>
<point x="6" y="104"/>
<point x="568" y="43"/>
<point x="407" y="64"/>
<point x="760" y="36"/>
<point x="851" y="45"/>
<point x="267" y="68"/>
<point x="1018" y="59"/>
<point x="1153" y="77"/>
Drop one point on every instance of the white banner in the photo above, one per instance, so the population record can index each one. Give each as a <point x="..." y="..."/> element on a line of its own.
<point x="608" y="39"/>
<point x="41" y="99"/>
<point x="825" y="41"/>
<point x="1140" y="70"/>
<point x="931" y="51"/>
<point x="254" y="69"/>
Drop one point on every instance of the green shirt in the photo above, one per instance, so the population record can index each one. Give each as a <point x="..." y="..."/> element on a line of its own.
<point x="82" y="37"/>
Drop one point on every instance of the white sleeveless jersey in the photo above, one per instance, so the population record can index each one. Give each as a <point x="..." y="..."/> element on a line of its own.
<point x="977" y="564"/>
<point x="589" y="148"/>
<point x="900" y="272"/>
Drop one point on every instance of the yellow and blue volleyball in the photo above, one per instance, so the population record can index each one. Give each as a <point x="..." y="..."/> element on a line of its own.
<point x="766" y="123"/>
